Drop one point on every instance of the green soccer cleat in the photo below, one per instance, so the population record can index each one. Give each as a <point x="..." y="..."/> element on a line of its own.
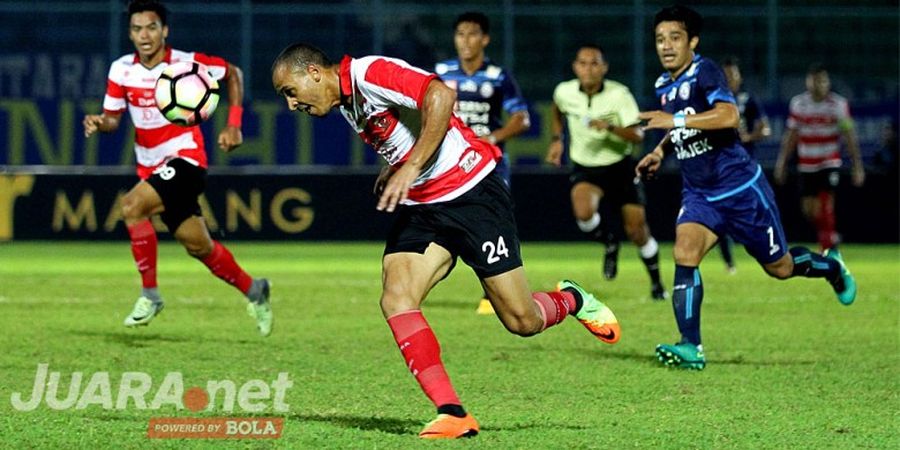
<point x="844" y="285"/>
<point x="261" y="310"/>
<point x="594" y="315"/>
<point x="144" y="311"/>
<point x="683" y="356"/>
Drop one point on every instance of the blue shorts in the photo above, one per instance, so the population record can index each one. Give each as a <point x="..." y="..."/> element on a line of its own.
<point x="748" y="214"/>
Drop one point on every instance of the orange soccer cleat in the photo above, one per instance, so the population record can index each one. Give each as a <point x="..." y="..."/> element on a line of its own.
<point x="450" y="427"/>
<point x="594" y="315"/>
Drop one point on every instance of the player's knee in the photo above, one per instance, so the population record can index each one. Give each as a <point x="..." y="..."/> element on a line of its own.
<point x="687" y="256"/>
<point x="199" y="250"/>
<point x="132" y="209"/>
<point x="396" y="301"/>
<point x="781" y="271"/>
<point x="636" y="233"/>
<point x="524" y="325"/>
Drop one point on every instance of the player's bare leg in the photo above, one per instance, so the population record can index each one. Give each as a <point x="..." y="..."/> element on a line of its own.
<point x="585" y="207"/>
<point x="194" y="236"/>
<point x="635" y="221"/>
<point x="138" y="205"/>
<point x="406" y="279"/>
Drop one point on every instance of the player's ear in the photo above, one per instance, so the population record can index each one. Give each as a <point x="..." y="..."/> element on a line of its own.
<point x="485" y="40"/>
<point x="313" y="71"/>
<point x="165" y="32"/>
<point x="694" y="42"/>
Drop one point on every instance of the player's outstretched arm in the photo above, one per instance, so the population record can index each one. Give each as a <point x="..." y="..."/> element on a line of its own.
<point x="647" y="167"/>
<point x="722" y="115"/>
<point x="788" y="147"/>
<point x="555" y="150"/>
<point x="104" y="123"/>
<point x="231" y="137"/>
<point x="858" y="170"/>
<point x="437" y="107"/>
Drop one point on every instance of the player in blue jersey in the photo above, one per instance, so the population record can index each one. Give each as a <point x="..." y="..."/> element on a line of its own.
<point x="724" y="189"/>
<point x="484" y="91"/>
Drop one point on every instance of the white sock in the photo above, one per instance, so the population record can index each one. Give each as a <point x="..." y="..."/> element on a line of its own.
<point x="650" y="248"/>
<point x="589" y="225"/>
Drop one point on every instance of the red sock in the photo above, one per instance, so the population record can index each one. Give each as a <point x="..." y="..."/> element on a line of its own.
<point x="143" y="248"/>
<point x="422" y="353"/>
<point x="554" y="306"/>
<point x="222" y="264"/>
<point x="827" y="227"/>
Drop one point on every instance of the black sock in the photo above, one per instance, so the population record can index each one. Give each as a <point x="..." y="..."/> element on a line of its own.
<point x="453" y="410"/>
<point x="725" y="247"/>
<point x="652" y="264"/>
<point x="687" y="296"/>
<point x="812" y="265"/>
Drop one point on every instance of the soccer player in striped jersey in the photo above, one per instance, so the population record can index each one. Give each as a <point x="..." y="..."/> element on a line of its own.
<point x="817" y="119"/>
<point x="448" y="203"/>
<point x="171" y="163"/>
<point x="724" y="190"/>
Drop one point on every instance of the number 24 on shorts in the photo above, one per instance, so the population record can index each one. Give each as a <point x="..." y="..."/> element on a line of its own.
<point x="494" y="251"/>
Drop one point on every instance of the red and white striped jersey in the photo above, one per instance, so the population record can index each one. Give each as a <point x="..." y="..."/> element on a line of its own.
<point x="818" y="128"/>
<point x="156" y="140"/>
<point x="378" y="88"/>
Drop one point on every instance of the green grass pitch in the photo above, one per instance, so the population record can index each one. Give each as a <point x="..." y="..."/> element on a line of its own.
<point x="789" y="367"/>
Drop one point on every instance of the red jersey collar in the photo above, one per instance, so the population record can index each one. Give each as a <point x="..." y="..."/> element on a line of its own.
<point x="166" y="59"/>
<point x="344" y="75"/>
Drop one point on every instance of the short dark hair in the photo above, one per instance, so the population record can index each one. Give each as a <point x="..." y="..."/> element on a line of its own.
<point x="592" y="46"/>
<point x="475" y="17"/>
<point x="138" y="6"/>
<point x="300" y="55"/>
<point x="731" y="61"/>
<point x="692" y="20"/>
<point x="816" y="68"/>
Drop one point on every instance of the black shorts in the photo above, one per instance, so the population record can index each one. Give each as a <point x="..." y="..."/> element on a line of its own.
<point x="619" y="185"/>
<point x="179" y="185"/>
<point x="478" y="227"/>
<point x="811" y="183"/>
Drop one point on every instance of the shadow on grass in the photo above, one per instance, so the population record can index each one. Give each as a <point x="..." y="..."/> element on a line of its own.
<point x="384" y="424"/>
<point x="129" y="338"/>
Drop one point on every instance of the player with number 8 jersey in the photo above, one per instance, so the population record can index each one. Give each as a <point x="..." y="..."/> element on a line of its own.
<point x="171" y="163"/>
<point x="448" y="202"/>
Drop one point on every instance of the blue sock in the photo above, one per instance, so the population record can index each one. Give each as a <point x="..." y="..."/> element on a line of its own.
<point x="812" y="265"/>
<point x="687" y="295"/>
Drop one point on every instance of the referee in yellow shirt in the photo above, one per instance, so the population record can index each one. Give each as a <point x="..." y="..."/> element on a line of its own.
<point x="601" y="117"/>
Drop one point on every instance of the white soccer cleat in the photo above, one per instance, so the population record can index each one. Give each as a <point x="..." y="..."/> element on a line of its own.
<point x="144" y="311"/>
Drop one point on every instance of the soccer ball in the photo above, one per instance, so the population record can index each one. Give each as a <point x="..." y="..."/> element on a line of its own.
<point x="186" y="94"/>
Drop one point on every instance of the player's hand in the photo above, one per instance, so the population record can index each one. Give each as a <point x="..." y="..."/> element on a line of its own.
<point x="230" y="138"/>
<point x="656" y="120"/>
<point x="554" y="153"/>
<point x="397" y="188"/>
<point x="91" y="124"/>
<point x="598" y="124"/>
<point x="858" y="176"/>
<point x="779" y="174"/>
<point x="647" y="167"/>
<point x="381" y="181"/>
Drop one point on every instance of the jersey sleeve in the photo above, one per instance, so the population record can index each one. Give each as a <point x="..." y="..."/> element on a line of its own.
<point x="557" y="98"/>
<point x="513" y="101"/>
<point x="712" y="83"/>
<point x="218" y="66"/>
<point x="845" y="121"/>
<point x="397" y="83"/>
<point x="791" y="122"/>
<point x="628" y="109"/>
<point x="114" y="100"/>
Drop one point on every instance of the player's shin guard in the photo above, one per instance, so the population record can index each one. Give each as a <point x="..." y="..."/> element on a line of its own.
<point x="422" y="352"/>
<point x="143" y="248"/>
<point x="222" y="264"/>
<point x="687" y="296"/>
<point x="812" y="265"/>
<point x="554" y="306"/>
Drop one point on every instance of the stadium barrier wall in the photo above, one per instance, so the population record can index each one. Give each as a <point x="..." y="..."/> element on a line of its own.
<point x="338" y="204"/>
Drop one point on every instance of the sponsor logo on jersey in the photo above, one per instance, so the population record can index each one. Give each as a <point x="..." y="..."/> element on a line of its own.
<point x="487" y="89"/>
<point x="684" y="91"/>
<point x="468" y="86"/>
<point x="470" y="161"/>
